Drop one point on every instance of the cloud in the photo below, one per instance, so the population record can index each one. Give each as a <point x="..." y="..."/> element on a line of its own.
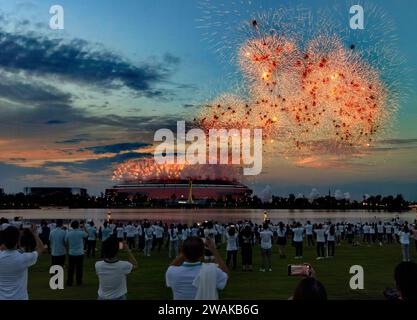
<point x="55" y="122"/>
<point x="96" y="165"/>
<point x="117" y="148"/>
<point x="82" y="62"/>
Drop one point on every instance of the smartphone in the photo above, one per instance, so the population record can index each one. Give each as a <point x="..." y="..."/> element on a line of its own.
<point x="121" y="246"/>
<point x="27" y="226"/>
<point x="303" y="270"/>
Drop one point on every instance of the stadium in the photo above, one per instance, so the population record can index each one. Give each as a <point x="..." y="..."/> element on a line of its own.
<point x="182" y="191"/>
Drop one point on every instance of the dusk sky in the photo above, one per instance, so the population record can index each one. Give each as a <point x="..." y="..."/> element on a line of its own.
<point x="75" y="102"/>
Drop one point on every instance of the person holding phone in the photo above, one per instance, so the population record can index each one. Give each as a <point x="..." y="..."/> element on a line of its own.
<point x="112" y="272"/>
<point x="14" y="265"/>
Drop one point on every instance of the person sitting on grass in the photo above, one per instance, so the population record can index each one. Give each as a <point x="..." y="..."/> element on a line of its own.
<point x="112" y="272"/>
<point x="190" y="279"/>
<point x="14" y="264"/>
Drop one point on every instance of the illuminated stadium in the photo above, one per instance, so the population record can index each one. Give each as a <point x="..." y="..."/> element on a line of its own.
<point x="178" y="183"/>
<point x="180" y="190"/>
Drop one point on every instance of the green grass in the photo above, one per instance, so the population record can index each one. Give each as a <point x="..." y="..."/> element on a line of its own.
<point x="148" y="281"/>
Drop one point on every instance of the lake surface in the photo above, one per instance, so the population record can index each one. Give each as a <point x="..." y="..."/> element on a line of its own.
<point x="197" y="215"/>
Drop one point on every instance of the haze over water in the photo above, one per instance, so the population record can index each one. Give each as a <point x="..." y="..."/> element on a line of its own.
<point x="198" y="215"/>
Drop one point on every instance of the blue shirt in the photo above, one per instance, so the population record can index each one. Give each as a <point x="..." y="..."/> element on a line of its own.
<point x="92" y="233"/>
<point x="106" y="233"/>
<point x="57" y="242"/>
<point x="75" y="240"/>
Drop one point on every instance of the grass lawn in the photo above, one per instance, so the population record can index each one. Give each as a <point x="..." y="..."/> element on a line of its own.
<point x="148" y="281"/>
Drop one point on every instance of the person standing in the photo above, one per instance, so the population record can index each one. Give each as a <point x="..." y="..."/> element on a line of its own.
<point x="112" y="272"/>
<point x="57" y="243"/>
<point x="173" y="241"/>
<point x="309" y="234"/>
<point x="415" y="235"/>
<point x="14" y="265"/>
<point x="75" y="242"/>
<point x="246" y="242"/>
<point x="321" y="240"/>
<point x="331" y="240"/>
<point x="148" y="233"/>
<point x="106" y="232"/>
<point x="266" y="247"/>
<point x="130" y="235"/>
<point x="281" y="239"/>
<point x="190" y="279"/>
<point x="231" y="247"/>
<point x="298" y="234"/>
<point x="404" y="238"/>
<point x="91" y="239"/>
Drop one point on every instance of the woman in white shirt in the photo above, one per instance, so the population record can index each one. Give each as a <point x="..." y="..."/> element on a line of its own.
<point x="404" y="237"/>
<point x="231" y="248"/>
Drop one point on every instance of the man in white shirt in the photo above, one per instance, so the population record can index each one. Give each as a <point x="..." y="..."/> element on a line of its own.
<point x="186" y="267"/>
<point x="14" y="265"/>
<point x="321" y="240"/>
<point x="112" y="272"/>
<point x="309" y="234"/>
<point x="298" y="237"/>
<point x="130" y="235"/>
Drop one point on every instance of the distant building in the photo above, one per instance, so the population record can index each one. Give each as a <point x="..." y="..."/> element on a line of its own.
<point x="180" y="190"/>
<point x="53" y="191"/>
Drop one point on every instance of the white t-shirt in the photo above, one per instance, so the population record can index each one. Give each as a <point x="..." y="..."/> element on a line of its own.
<point x="320" y="235"/>
<point x="180" y="280"/>
<point x="130" y="231"/>
<point x="158" y="231"/>
<point x="14" y="274"/>
<point x="298" y="234"/>
<point x="120" y="231"/>
<point x="231" y="242"/>
<point x="112" y="278"/>
<point x="329" y="236"/>
<point x="266" y="242"/>
<point x="404" y="237"/>
<point x="309" y="229"/>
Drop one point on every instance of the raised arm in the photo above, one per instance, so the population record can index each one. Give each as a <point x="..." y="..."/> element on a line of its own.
<point x="130" y="255"/>
<point x="217" y="258"/>
<point x="40" y="248"/>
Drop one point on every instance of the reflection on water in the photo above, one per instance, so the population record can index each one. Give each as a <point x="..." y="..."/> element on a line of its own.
<point x="197" y="215"/>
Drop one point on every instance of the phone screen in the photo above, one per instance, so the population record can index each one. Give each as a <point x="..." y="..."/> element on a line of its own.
<point x="299" y="270"/>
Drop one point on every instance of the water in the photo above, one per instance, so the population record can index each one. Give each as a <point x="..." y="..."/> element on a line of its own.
<point x="197" y="215"/>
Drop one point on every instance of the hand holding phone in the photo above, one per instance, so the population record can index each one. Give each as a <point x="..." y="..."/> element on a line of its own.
<point x="303" y="270"/>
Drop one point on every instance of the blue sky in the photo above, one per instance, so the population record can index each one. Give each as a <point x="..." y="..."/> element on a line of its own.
<point x="67" y="120"/>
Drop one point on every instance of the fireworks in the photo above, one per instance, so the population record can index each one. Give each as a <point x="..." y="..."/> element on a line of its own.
<point x="147" y="169"/>
<point x="308" y="85"/>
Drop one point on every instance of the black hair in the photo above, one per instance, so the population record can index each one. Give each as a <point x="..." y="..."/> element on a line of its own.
<point x="231" y="231"/>
<point x="310" y="289"/>
<point x="405" y="275"/>
<point x="75" y="224"/>
<point x="110" y="247"/>
<point x="193" y="248"/>
<point x="10" y="237"/>
<point x="59" y="223"/>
